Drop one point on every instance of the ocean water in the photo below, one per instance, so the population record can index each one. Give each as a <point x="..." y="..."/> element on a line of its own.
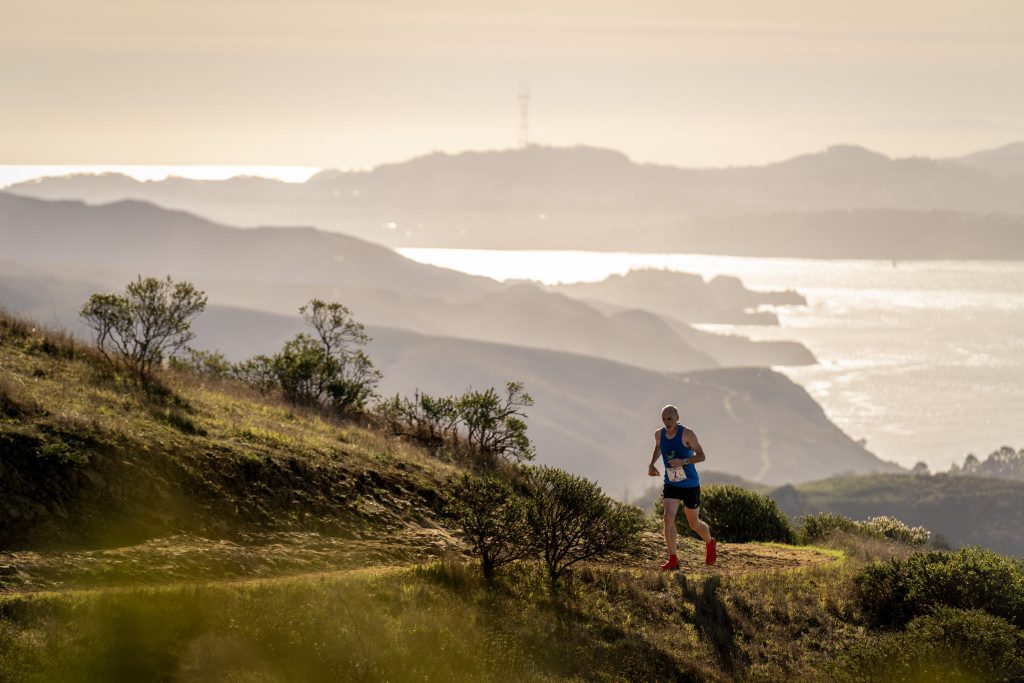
<point x="924" y="360"/>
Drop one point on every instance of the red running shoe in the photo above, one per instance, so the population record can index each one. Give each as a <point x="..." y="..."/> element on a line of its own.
<point x="709" y="552"/>
<point x="673" y="563"/>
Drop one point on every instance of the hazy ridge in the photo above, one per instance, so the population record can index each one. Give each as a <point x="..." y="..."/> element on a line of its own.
<point x="844" y="202"/>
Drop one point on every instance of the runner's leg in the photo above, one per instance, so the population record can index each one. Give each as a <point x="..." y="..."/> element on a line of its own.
<point x="697" y="524"/>
<point x="671" y="508"/>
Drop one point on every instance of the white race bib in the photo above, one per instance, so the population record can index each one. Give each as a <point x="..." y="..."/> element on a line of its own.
<point x="676" y="474"/>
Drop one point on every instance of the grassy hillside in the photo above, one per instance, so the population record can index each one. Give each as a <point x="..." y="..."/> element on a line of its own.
<point x="966" y="510"/>
<point x="203" y="533"/>
<point x="91" y="459"/>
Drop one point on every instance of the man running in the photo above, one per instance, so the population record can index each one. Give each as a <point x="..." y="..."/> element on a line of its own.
<point x="679" y="451"/>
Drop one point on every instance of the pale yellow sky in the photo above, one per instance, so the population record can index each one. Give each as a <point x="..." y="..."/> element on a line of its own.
<point x="337" y="83"/>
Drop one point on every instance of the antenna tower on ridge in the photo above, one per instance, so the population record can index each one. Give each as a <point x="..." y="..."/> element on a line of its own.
<point x="524" y="114"/>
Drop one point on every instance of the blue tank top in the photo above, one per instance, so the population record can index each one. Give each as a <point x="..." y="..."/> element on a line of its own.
<point x="675" y="448"/>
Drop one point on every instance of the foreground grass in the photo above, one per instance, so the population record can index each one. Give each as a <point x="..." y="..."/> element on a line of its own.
<point x="436" y="622"/>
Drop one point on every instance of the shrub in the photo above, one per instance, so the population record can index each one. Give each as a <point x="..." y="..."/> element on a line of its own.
<point x="493" y="520"/>
<point x="814" y="528"/>
<point x="208" y="363"/>
<point x="319" y="369"/>
<point x="895" y="530"/>
<point x="894" y="592"/>
<point x="430" y="420"/>
<point x="257" y="372"/>
<point x="947" y="645"/>
<point x="494" y="426"/>
<point x="572" y="520"/>
<point x="490" y="427"/>
<point x="739" y="515"/>
<point x="150" y="321"/>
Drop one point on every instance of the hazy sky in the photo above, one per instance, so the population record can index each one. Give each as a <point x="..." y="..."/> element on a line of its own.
<point x="339" y="83"/>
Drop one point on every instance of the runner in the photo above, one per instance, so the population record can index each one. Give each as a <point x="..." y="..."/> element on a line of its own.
<point x="679" y="451"/>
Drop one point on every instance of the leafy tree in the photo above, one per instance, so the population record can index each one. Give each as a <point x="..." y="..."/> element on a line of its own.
<point x="572" y="520"/>
<point x="493" y="520"/>
<point x="150" y="321"/>
<point x="495" y="426"/>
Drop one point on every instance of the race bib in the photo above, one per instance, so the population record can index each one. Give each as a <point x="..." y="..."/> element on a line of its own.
<point x="676" y="474"/>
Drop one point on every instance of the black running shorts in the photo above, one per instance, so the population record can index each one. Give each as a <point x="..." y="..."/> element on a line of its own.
<point x="690" y="495"/>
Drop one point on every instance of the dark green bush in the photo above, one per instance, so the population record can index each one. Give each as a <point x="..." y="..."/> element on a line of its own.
<point x="571" y="520"/>
<point x="947" y="645"/>
<point x="493" y="520"/>
<point x="740" y="515"/>
<point x="894" y="592"/>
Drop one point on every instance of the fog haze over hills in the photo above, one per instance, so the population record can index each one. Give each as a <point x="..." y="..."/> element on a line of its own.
<point x="584" y="197"/>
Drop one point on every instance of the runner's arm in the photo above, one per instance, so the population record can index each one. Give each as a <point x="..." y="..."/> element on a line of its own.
<point x="651" y="469"/>
<point x="690" y="440"/>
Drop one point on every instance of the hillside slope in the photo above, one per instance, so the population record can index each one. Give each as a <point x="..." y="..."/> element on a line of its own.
<point x="966" y="510"/>
<point x="91" y="460"/>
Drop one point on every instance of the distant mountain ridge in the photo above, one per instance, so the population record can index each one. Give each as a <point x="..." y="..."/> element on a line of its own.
<point x="545" y="197"/>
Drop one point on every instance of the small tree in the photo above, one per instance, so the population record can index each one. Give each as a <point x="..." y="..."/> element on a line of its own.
<point x="493" y="520"/>
<point x="319" y="369"/>
<point x="496" y="427"/>
<point x="150" y="321"/>
<point x="572" y="520"/>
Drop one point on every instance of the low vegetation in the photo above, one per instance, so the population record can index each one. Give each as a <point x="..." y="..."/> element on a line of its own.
<point x="893" y="593"/>
<point x="480" y="427"/>
<point x="815" y="528"/>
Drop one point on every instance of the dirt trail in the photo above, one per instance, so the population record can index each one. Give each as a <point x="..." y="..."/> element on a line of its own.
<point x="733" y="558"/>
<point x="178" y="561"/>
